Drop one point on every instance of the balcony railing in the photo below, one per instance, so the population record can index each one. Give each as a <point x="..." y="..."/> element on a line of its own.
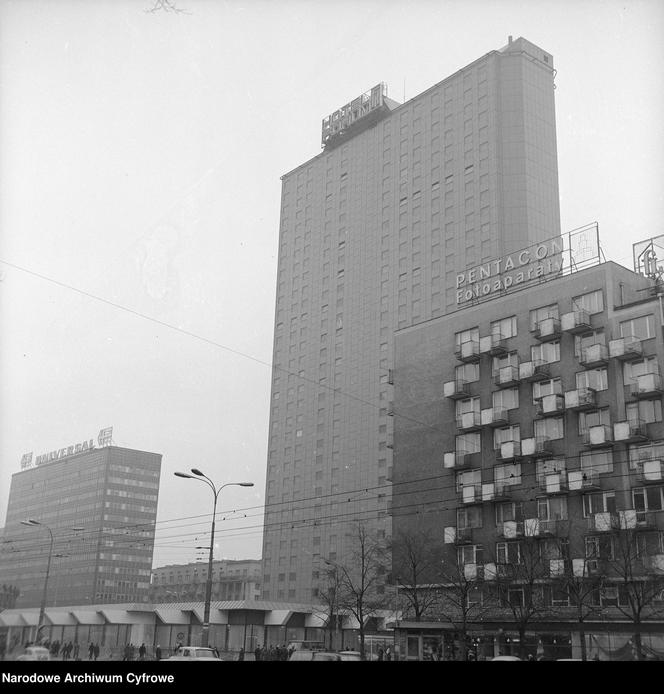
<point x="503" y="491"/>
<point x="652" y="472"/>
<point x="537" y="447"/>
<point x="583" y="480"/>
<point x="495" y="416"/>
<point x="537" y="370"/>
<point x="625" y="348"/>
<point x="461" y="459"/>
<point x="509" y="450"/>
<point x="594" y="355"/>
<point x="510" y="530"/>
<point x="554" y="483"/>
<point x="580" y="399"/>
<point x="575" y="322"/>
<point x="469" y="421"/>
<point x="457" y="389"/>
<point x="507" y="377"/>
<point x="630" y="431"/>
<point x="471" y="493"/>
<point x="647" y="385"/>
<point x="598" y="436"/>
<point x="464" y="536"/>
<point x="547" y="329"/>
<point x="468" y="351"/>
<point x="550" y="405"/>
<point x="603" y="522"/>
<point x="494" y="345"/>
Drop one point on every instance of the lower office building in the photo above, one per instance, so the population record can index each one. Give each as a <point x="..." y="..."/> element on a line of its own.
<point x="529" y="452"/>
<point x="93" y="513"/>
<point x="231" y="580"/>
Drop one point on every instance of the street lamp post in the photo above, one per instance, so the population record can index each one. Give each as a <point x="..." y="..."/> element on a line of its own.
<point x="42" y="609"/>
<point x="208" y="586"/>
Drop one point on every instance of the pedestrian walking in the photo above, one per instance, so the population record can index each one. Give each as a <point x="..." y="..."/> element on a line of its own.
<point x="77" y="650"/>
<point x="91" y="650"/>
<point x="257" y="653"/>
<point x="241" y="654"/>
<point x="388" y="653"/>
<point x="96" y="651"/>
<point x="380" y="654"/>
<point x="157" y="653"/>
<point x="141" y="652"/>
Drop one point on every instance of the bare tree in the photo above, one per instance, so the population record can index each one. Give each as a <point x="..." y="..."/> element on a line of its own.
<point x="166" y="6"/>
<point x="416" y="557"/>
<point x="360" y="578"/>
<point x="329" y="599"/>
<point x="638" y="575"/>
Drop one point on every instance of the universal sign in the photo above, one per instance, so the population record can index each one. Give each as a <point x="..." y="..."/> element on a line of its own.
<point x="518" y="268"/>
<point x="64" y="452"/>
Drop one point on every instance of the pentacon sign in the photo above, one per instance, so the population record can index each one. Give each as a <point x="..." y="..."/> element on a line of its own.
<point x="521" y="267"/>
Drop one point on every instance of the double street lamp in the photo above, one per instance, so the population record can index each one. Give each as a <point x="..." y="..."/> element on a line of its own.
<point x="198" y="475"/>
<point x="31" y="522"/>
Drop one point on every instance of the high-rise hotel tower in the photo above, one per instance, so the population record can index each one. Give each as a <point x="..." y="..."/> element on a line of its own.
<point x="373" y="232"/>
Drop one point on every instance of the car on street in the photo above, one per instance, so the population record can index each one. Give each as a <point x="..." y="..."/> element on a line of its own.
<point x="350" y="655"/>
<point x="305" y="656"/>
<point x="35" y="653"/>
<point x="195" y="653"/>
<point x="506" y="657"/>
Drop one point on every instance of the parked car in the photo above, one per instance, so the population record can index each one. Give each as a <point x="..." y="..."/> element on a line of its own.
<point x="506" y="657"/>
<point x="350" y="655"/>
<point x="195" y="653"/>
<point x="35" y="653"/>
<point x="305" y="656"/>
<point x="306" y="646"/>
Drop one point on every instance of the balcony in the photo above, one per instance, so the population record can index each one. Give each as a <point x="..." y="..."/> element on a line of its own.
<point x="625" y="348"/>
<point x="594" y="355"/>
<point x="583" y="481"/>
<point x="510" y="530"/>
<point x="503" y="491"/>
<point x="507" y="377"/>
<point x="631" y="431"/>
<point x="494" y="345"/>
<point x="470" y="493"/>
<point x="646" y="520"/>
<point x="550" y="405"/>
<point x="554" y="483"/>
<point x="469" y="421"/>
<point x="459" y="460"/>
<point x="558" y="567"/>
<point x="537" y="370"/>
<point x="509" y="450"/>
<point x="575" y="322"/>
<point x="547" y="329"/>
<point x="457" y="389"/>
<point x="598" y="436"/>
<point x="654" y="564"/>
<point x="651" y="472"/>
<point x="581" y="399"/>
<point x="537" y="447"/>
<point x="468" y="351"/>
<point x="552" y="527"/>
<point x="603" y="522"/>
<point x="495" y="416"/>
<point x="647" y="386"/>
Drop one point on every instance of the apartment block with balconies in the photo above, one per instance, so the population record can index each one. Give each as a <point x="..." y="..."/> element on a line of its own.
<point x="544" y="425"/>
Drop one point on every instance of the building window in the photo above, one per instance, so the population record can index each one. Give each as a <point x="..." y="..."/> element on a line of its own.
<point x="597" y="379"/>
<point x="468" y="443"/>
<point x="469" y="517"/>
<point x="641" y="328"/>
<point x="468" y="478"/>
<point x="633" y="369"/>
<point x="582" y="342"/>
<point x="646" y="411"/>
<point x="509" y="511"/>
<point x="471" y="554"/>
<point x="506" y="327"/>
<point x="507" y="475"/>
<point x="550" y="428"/>
<point x="467" y="406"/>
<point x="597" y="462"/>
<point x="505" y="434"/>
<point x="599" y="547"/>
<point x="547" y="352"/>
<point x="539" y="314"/>
<point x="507" y="399"/>
<point x="649" y="451"/>
<point x="467" y="372"/>
<point x="648" y="498"/>
<point x="599" y="502"/>
<point x="550" y="466"/>
<point x="511" y="359"/>
<point x="508" y="552"/>
<point x="551" y="387"/>
<point x="592" y="419"/>
<point x="552" y="508"/>
<point x="471" y="335"/>
<point x="593" y="302"/>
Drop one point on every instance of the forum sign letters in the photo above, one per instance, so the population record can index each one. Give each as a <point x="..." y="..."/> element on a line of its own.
<point x="539" y="262"/>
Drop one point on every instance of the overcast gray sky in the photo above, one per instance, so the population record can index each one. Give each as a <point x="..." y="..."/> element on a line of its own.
<point x="140" y="156"/>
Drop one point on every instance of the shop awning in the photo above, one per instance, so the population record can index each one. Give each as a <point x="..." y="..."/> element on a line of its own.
<point x="315" y="620"/>
<point x="173" y="616"/>
<point x="88" y="617"/>
<point x="31" y="618"/>
<point x="126" y="617"/>
<point x="13" y="619"/>
<point x="277" y="618"/>
<point x="217" y="616"/>
<point x="61" y="618"/>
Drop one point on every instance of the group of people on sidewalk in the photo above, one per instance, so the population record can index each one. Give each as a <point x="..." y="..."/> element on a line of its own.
<point x="278" y="652"/>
